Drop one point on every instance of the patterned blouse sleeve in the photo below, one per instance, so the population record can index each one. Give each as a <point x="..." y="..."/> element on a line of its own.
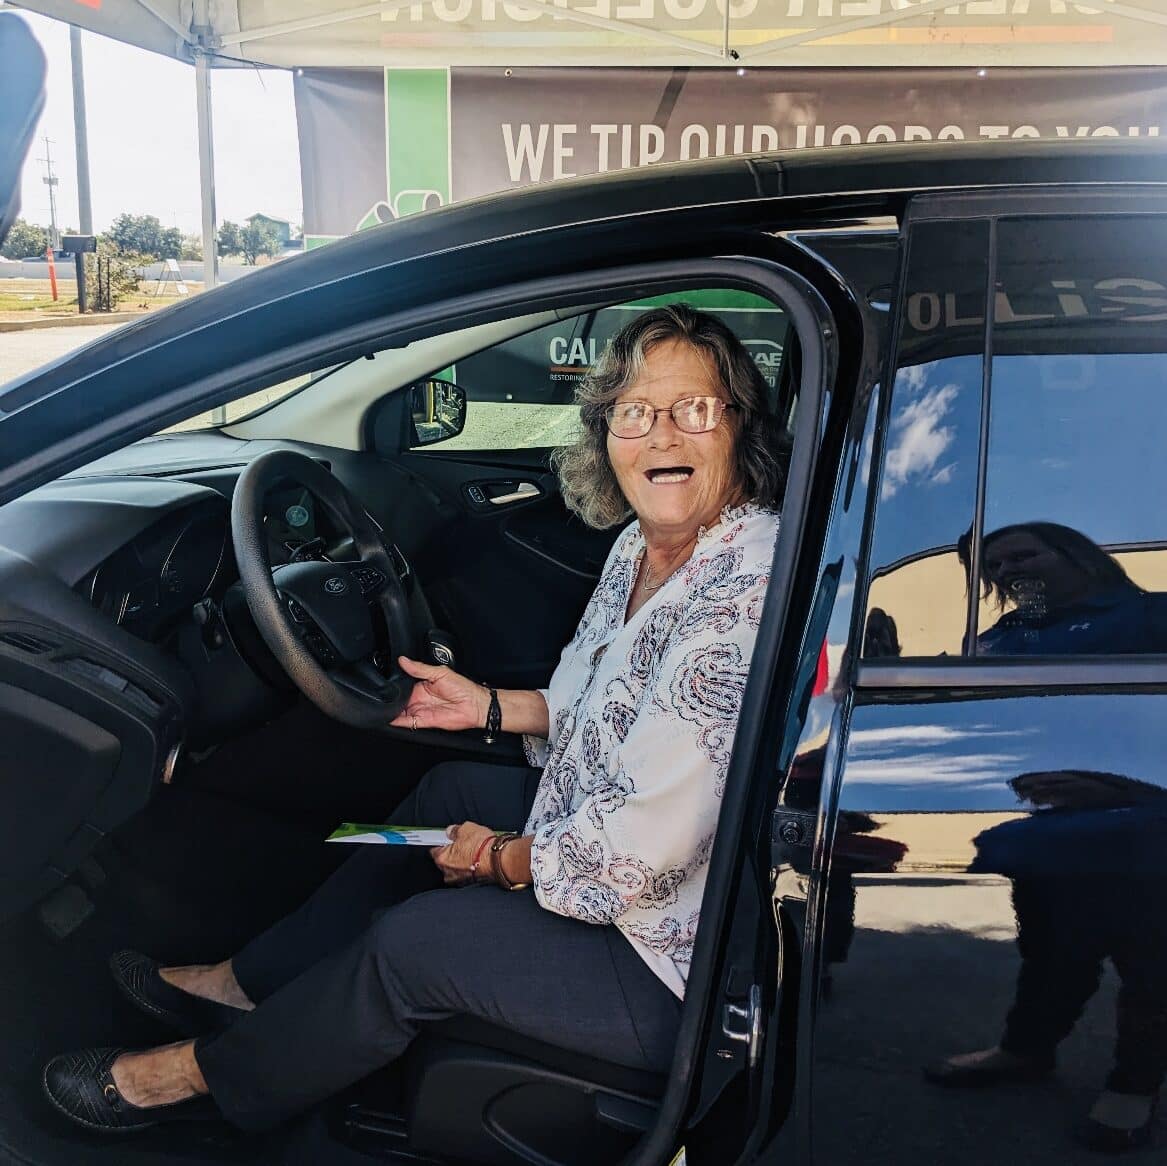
<point x="648" y="820"/>
<point x="537" y="748"/>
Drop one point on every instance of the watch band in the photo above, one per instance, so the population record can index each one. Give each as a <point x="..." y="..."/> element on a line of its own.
<point x="500" y="876"/>
<point x="493" y="725"/>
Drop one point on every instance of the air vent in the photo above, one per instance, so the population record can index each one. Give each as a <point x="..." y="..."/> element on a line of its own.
<point x="23" y="642"/>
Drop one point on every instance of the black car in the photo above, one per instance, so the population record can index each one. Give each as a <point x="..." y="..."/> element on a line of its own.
<point x="944" y="812"/>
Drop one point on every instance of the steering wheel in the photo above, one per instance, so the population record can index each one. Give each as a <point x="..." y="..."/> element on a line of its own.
<point x="317" y="617"/>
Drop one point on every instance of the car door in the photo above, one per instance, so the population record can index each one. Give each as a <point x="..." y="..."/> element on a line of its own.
<point x="968" y="841"/>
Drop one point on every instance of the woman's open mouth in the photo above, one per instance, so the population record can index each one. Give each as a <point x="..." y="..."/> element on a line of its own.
<point x="669" y="475"/>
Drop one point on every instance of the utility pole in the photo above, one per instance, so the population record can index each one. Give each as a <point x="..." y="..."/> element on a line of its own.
<point x="51" y="180"/>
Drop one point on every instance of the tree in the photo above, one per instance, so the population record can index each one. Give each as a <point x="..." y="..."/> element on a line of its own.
<point x="258" y="239"/>
<point x="229" y="241"/>
<point x="113" y="274"/>
<point x="145" y="235"/>
<point x="25" y="239"/>
<point x="192" y="248"/>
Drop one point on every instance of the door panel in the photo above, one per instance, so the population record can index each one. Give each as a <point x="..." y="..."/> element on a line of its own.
<point x="509" y="581"/>
<point x="998" y="874"/>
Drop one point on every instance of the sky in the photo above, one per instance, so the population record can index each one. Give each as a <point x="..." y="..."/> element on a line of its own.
<point x="143" y="137"/>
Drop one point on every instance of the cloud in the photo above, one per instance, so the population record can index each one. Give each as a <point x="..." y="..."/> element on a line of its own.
<point x="919" y="436"/>
<point x="935" y="768"/>
<point x="895" y="737"/>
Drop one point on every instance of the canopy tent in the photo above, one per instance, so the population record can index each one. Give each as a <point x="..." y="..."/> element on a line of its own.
<point x="339" y="39"/>
<point x="803" y="33"/>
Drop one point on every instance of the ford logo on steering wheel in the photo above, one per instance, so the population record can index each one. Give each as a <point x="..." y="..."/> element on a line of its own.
<point x="335" y="585"/>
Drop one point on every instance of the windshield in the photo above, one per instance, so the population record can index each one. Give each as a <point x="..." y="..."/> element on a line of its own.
<point x="252" y="404"/>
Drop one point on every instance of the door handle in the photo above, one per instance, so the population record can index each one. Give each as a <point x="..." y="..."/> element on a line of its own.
<point x="521" y="491"/>
<point x="499" y="492"/>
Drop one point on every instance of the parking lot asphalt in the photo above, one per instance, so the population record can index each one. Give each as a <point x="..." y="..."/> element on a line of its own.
<point x="21" y="352"/>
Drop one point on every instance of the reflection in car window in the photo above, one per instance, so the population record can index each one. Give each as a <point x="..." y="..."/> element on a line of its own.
<point x="927" y="490"/>
<point x="1074" y="556"/>
<point x="1073" y="553"/>
<point x="520" y="393"/>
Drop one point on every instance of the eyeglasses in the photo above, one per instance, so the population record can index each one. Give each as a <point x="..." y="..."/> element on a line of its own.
<point x="689" y="414"/>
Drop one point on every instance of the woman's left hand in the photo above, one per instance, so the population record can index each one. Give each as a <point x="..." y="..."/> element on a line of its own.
<point x="455" y="858"/>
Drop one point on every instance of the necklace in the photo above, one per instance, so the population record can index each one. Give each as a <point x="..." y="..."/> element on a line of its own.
<point x="646" y="582"/>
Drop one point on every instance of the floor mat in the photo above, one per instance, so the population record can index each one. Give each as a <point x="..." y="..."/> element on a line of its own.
<point x="189" y="880"/>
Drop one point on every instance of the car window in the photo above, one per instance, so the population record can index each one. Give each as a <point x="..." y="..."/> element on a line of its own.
<point x="1068" y="555"/>
<point x="520" y="393"/>
<point x="927" y="487"/>
<point x="245" y="407"/>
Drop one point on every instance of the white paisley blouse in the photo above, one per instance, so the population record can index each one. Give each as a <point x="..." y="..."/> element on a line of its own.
<point x="642" y="718"/>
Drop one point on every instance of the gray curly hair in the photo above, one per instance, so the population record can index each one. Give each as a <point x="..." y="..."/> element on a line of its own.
<point x="586" y="477"/>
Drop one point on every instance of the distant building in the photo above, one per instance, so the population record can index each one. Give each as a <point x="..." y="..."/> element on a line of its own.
<point x="282" y="227"/>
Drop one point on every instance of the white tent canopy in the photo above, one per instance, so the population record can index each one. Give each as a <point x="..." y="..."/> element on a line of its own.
<point x="632" y="32"/>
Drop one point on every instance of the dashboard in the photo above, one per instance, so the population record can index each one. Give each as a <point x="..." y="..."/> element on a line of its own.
<point x="154" y="580"/>
<point x="144" y="550"/>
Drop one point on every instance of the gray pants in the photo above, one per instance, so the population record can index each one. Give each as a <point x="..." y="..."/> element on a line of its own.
<point x="381" y="949"/>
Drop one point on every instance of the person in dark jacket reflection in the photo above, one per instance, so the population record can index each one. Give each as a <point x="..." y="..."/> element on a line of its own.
<point x="1089" y="872"/>
<point x="1068" y="596"/>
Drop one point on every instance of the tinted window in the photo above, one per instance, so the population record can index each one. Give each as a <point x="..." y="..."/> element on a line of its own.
<point x="1074" y="558"/>
<point x="1069" y="554"/>
<point x="927" y="488"/>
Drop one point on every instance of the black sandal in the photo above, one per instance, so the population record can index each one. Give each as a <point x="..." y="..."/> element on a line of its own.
<point x="138" y="979"/>
<point x="80" y="1086"/>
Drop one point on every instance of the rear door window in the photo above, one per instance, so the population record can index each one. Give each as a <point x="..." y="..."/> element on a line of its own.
<point x="1020" y="501"/>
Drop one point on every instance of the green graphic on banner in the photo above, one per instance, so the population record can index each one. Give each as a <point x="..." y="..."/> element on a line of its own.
<point x="417" y="149"/>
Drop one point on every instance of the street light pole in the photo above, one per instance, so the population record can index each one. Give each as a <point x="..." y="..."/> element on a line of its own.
<point x="81" y="140"/>
<point x="81" y="133"/>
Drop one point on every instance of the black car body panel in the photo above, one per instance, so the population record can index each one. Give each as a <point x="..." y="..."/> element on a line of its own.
<point x="946" y="812"/>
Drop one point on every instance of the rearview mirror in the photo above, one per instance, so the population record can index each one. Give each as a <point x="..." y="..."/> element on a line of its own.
<point x="437" y="410"/>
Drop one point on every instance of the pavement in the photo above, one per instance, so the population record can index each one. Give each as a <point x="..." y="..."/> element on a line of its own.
<point x="23" y="351"/>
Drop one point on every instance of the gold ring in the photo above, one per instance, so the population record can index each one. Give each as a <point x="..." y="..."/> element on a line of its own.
<point x="414" y="725"/>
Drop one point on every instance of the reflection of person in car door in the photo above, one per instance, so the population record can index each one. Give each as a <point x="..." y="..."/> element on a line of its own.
<point x="1089" y="882"/>
<point x="613" y="830"/>
<point x="1069" y="596"/>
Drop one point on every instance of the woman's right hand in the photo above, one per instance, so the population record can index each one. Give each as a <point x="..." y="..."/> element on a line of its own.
<point x="441" y="699"/>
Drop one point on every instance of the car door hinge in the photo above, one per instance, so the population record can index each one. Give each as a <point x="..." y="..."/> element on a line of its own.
<point x="743" y="1023"/>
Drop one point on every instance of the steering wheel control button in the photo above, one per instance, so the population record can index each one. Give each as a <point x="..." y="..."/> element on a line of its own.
<point x="297" y="612"/>
<point x="369" y="578"/>
<point x="320" y="648"/>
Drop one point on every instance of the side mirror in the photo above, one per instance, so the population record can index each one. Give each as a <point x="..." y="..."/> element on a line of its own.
<point x="437" y="410"/>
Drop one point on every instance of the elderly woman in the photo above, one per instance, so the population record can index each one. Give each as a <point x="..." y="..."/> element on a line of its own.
<point x="583" y="876"/>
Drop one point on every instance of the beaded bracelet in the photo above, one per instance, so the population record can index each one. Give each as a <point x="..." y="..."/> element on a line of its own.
<point x="478" y="855"/>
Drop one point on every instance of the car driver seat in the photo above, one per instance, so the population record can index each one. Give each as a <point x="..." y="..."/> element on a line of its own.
<point x="472" y="1092"/>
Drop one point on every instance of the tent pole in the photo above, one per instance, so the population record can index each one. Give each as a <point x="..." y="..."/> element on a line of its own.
<point x="160" y="14"/>
<point x="206" y="169"/>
